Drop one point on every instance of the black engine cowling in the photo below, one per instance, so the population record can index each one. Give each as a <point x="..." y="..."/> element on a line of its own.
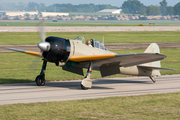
<point x="59" y="50"/>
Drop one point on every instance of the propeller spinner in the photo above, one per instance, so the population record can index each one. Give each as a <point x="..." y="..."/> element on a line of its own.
<point x="44" y="46"/>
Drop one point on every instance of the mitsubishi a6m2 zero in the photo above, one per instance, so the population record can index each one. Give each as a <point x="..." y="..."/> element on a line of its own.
<point x="74" y="55"/>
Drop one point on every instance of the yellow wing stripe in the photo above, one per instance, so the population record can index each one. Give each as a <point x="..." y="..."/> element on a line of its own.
<point x="88" y="58"/>
<point x="33" y="53"/>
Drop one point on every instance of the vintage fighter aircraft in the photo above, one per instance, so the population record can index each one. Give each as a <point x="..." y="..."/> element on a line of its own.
<point x="74" y="55"/>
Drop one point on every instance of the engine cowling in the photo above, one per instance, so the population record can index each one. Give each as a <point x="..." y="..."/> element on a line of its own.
<point x="59" y="50"/>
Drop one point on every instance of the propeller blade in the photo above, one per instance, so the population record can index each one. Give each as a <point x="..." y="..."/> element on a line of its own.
<point x="44" y="46"/>
<point x="41" y="30"/>
<point x="35" y="65"/>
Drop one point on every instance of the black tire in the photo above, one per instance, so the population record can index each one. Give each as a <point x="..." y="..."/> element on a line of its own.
<point x="40" y="80"/>
<point x="84" y="88"/>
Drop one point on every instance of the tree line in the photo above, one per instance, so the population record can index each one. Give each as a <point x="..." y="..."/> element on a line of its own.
<point x="136" y="7"/>
<point x="128" y="7"/>
<point x="32" y="6"/>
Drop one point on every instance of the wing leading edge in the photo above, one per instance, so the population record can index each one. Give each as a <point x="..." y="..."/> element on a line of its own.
<point x="26" y="51"/>
<point x="89" y="58"/>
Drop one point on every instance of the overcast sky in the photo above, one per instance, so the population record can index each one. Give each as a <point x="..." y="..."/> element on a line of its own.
<point x="76" y="2"/>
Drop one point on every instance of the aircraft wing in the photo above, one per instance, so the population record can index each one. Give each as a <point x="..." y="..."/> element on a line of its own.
<point x="110" y="62"/>
<point x="124" y="60"/>
<point x="26" y="51"/>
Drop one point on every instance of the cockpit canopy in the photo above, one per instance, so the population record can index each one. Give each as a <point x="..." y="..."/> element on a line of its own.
<point x="98" y="44"/>
<point x="81" y="38"/>
<point x="95" y="43"/>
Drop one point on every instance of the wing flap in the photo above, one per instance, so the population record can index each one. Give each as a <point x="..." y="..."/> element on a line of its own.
<point x="26" y="51"/>
<point x="74" y="69"/>
<point x="109" y="69"/>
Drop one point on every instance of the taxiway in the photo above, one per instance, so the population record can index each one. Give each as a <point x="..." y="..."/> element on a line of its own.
<point x="91" y="29"/>
<point x="70" y="90"/>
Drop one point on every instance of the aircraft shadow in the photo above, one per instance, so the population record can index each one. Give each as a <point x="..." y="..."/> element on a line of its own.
<point x="12" y="81"/>
<point x="120" y="80"/>
<point x="72" y="84"/>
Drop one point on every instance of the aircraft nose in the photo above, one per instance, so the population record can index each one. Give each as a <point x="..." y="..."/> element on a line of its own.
<point x="44" y="46"/>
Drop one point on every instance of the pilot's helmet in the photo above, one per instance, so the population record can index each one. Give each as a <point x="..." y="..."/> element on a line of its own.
<point x="88" y="42"/>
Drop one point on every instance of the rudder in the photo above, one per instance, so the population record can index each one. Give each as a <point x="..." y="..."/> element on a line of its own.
<point x="153" y="48"/>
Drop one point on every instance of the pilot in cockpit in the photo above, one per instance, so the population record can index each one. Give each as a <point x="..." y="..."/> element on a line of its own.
<point x="88" y="42"/>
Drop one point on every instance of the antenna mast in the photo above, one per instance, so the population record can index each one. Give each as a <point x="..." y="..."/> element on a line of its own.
<point x="103" y="39"/>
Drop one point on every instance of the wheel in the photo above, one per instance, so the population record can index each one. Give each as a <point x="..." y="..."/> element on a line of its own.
<point x="40" y="80"/>
<point x="84" y="88"/>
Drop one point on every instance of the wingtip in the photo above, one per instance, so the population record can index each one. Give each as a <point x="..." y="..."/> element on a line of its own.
<point x="26" y="51"/>
<point x="7" y="48"/>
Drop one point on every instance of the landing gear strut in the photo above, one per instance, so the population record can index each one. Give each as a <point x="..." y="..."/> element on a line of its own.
<point x="86" y="82"/>
<point x="153" y="79"/>
<point x="40" y="79"/>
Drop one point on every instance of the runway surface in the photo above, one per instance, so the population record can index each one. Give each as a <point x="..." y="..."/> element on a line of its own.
<point x="91" y="29"/>
<point x="70" y="90"/>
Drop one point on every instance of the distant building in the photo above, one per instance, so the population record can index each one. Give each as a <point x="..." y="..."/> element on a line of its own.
<point x="44" y="14"/>
<point x="112" y="11"/>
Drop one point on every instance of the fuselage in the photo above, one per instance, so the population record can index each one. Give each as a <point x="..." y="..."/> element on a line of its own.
<point x="80" y="49"/>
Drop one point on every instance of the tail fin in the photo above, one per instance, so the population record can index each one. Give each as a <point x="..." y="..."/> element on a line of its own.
<point x="153" y="48"/>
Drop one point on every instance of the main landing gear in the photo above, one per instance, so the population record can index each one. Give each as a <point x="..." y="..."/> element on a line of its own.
<point x="86" y="82"/>
<point x="40" y="79"/>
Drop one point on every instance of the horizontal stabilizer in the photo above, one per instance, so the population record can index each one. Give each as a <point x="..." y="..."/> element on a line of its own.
<point x="154" y="68"/>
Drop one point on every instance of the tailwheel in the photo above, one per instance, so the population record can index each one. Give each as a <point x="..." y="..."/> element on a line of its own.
<point x="40" y="80"/>
<point x="83" y="87"/>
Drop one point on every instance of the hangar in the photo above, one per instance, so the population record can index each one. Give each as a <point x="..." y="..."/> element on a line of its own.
<point x="112" y="11"/>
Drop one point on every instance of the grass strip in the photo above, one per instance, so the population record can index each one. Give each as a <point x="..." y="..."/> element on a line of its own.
<point x="157" y="107"/>
<point x="90" y="23"/>
<point x="14" y="38"/>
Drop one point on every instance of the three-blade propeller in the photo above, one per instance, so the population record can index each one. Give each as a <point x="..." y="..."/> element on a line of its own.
<point x="43" y="46"/>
